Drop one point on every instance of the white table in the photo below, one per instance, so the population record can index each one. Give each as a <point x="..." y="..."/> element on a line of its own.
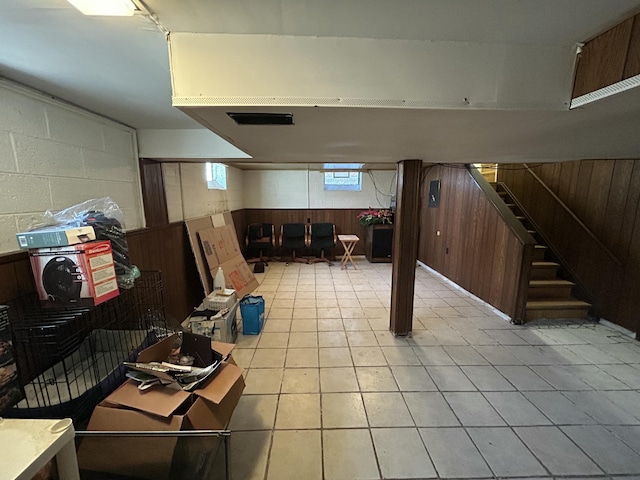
<point x="28" y="445"/>
<point x="349" y="243"/>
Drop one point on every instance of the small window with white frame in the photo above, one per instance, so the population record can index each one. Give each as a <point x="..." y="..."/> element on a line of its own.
<point x="341" y="176"/>
<point x="216" y="176"/>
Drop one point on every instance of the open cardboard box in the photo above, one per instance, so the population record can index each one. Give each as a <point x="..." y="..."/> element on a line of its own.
<point x="158" y="409"/>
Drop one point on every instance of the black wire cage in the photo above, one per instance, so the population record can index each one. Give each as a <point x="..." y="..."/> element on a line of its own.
<point x="70" y="359"/>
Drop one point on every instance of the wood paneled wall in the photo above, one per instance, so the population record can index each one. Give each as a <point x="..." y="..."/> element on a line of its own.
<point x="605" y="195"/>
<point x="153" y="193"/>
<point x="609" y="58"/>
<point x="345" y="220"/>
<point x="475" y="247"/>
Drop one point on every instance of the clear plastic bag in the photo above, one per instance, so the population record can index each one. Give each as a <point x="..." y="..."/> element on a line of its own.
<point x="106" y="218"/>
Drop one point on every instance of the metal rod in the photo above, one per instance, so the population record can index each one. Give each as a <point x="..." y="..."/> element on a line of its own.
<point x="144" y="433"/>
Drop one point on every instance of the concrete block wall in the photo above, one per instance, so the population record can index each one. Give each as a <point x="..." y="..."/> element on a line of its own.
<point x="188" y="196"/>
<point x="305" y="189"/>
<point x="53" y="155"/>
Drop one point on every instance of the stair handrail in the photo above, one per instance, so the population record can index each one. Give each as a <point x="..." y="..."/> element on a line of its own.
<point x="586" y="292"/>
<point x="582" y="225"/>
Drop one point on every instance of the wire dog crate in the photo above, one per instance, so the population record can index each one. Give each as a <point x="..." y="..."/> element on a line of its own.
<point x="70" y="359"/>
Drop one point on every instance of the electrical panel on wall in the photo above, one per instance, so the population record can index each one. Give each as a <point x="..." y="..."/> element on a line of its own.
<point x="434" y="193"/>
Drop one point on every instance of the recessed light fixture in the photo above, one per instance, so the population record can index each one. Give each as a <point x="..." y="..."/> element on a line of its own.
<point x="108" y="8"/>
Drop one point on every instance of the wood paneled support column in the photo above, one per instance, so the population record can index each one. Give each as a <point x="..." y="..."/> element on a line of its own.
<point x="405" y="246"/>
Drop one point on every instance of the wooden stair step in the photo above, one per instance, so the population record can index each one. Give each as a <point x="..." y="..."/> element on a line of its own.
<point x="557" y="308"/>
<point x="541" y="270"/>
<point x="539" y="252"/>
<point x="553" y="288"/>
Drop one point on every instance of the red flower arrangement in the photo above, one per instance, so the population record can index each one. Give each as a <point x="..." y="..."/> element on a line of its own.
<point x="376" y="217"/>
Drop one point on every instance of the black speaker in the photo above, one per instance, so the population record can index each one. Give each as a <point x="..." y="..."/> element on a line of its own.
<point x="62" y="280"/>
<point x="382" y="242"/>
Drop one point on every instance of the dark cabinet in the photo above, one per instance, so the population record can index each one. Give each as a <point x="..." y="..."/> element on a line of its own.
<point x="378" y="243"/>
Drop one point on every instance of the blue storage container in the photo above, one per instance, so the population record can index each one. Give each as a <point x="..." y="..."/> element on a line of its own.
<point x="252" y="311"/>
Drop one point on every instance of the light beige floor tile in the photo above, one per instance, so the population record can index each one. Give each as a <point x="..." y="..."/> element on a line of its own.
<point x="349" y="455"/>
<point x="429" y="409"/>
<point x="304" y="325"/>
<point x="341" y="379"/>
<point x="306" y="312"/>
<point x="263" y="380"/>
<point x="356" y="324"/>
<point x="301" y="380"/>
<point x="433" y="355"/>
<point x="343" y="410"/>
<point x="277" y="326"/>
<point x="351" y="312"/>
<point x="401" y="453"/>
<point x="254" y="412"/>
<point x="280" y="313"/>
<point x="243" y="356"/>
<point x="376" y="379"/>
<point x="324" y="301"/>
<point x="335" y="357"/>
<point x="249" y="454"/>
<point x="454" y="454"/>
<point x="362" y="339"/>
<point x="246" y="341"/>
<point x="400" y="356"/>
<point x="303" y="339"/>
<point x="273" y="340"/>
<point x="289" y="461"/>
<point x="298" y="411"/>
<point x="332" y="339"/>
<point x="269" y="358"/>
<point x="330" y="312"/>
<point x="473" y="410"/>
<point x="282" y="303"/>
<point x="387" y="339"/>
<point x="387" y="410"/>
<point x="349" y="302"/>
<point x="413" y="379"/>
<point x="304" y="303"/>
<point x="368" y="357"/>
<point x="302" y="357"/>
<point x="330" y="325"/>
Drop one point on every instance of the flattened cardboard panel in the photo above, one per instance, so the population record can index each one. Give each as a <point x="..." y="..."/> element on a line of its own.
<point x="239" y="276"/>
<point x="221" y="219"/>
<point x="225" y="243"/>
<point x="157" y="400"/>
<point x="207" y="241"/>
<point x="223" y="382"/>
<point x="193" y="227"/>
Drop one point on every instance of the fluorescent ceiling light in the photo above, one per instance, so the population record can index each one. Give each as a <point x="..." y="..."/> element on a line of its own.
<point x="111" y="8"/>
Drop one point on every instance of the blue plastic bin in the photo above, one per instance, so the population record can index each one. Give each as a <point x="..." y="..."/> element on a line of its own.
<point x="252" y="311"/>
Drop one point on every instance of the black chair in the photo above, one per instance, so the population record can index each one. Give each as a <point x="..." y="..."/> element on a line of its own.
<point x="323" y="238"/>
<point x="259" y="241"/>
<point x="293" y="237"/>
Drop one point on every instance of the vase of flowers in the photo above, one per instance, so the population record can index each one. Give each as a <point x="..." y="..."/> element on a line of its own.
<point x="380" y="216"/>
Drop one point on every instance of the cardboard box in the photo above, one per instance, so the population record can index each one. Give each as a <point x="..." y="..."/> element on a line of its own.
<point x="75" y="274"/>
<point x="224" y="329"/>
<point x="55" y="237"/>
<point x="158" y="409"/>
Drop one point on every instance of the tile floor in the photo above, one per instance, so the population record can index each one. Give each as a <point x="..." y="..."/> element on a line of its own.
<point x="331" y="394"/>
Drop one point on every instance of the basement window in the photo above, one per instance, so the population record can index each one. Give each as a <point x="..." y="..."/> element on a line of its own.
<point x="341" y="178"/>
<point x="216" y="176"/>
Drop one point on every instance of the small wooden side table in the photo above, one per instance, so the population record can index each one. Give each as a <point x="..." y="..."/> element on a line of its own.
<point x="349" y="243"/>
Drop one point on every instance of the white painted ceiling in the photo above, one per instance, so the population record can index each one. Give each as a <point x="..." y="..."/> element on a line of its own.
<point x="119" y="68"/>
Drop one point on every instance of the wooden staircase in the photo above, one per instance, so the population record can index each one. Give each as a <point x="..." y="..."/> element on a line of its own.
<point x="549" y="295"/>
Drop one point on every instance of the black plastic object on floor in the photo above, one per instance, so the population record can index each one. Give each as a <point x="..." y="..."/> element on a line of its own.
<point x="258" y="267"/>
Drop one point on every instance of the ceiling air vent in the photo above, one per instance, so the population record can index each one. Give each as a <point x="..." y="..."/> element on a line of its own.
<point x="253" y="118"/>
